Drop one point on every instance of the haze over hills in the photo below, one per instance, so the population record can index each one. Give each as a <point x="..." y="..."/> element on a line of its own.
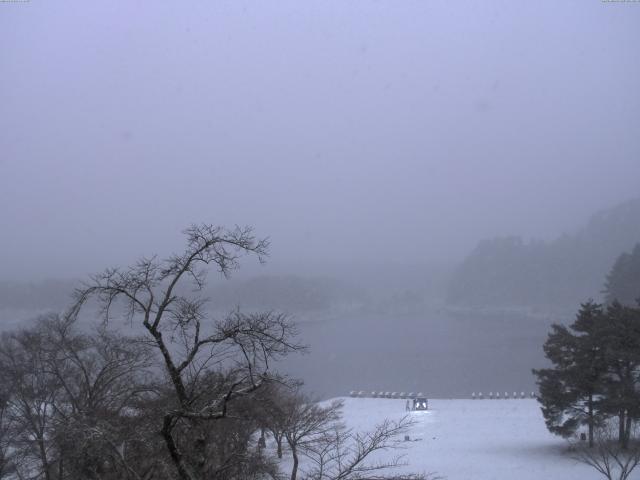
<point x="507" y="271"/>
<point x="384" y="326"/>
<point x="499" y="272"/>
<point x="381" y="289"/>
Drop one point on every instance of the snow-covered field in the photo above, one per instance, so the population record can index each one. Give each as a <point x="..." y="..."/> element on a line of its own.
<point x="475" y="439"/>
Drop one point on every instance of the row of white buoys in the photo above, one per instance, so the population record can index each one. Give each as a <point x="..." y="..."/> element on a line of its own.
<point x="497" y="396"/>
<point x="374" y="394"/>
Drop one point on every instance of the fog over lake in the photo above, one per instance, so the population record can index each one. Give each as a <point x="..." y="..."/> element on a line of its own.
<point x="227" y="226"/>
<point x="376" y="144"/>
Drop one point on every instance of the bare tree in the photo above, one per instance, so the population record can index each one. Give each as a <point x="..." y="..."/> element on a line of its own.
<point x="164" y="297"/>
<point x="30" y="404"/>
<point x="333" y="452"/>
<point x="275" y="405"/>
<point x="305" y="423"/>
<point x="342" y="454"/>
<point x="69" y="400"/>
<point x="607" y="456"/>
<point x="103" y="377"/>
<point x="6" y="426"/>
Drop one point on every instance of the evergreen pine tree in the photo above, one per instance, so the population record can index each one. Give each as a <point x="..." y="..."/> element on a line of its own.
<point x="569" y="392"/>
<point x="621" y="339"/>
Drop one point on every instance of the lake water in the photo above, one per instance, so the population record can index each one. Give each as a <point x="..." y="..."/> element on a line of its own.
<point x="442" y="354"/>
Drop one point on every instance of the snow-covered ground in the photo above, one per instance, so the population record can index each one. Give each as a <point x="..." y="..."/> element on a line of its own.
<point x="475" y="439"/>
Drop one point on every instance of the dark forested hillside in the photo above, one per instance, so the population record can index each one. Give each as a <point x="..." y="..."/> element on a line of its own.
<point x="623" y="281"/>
<point x="508" y="271"/>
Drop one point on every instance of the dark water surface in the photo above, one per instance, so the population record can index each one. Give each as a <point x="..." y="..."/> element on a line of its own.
<point x="441" y="354"/>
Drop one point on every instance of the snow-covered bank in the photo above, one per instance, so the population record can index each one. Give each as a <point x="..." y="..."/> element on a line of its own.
<point x="475" y="439"/>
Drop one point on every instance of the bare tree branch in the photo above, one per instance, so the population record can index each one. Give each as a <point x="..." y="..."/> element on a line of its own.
<point x="162" y="296"/>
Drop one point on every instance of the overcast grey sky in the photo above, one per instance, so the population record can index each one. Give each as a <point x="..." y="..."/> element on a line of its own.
<point x="344" y="130"/>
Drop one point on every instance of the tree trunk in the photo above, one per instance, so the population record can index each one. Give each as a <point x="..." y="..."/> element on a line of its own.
<point x="176" y="456"/>
<point x="627" y="431"/>
<point x="621" y="429"/>
<point x="279" y="444"/>
<point x="590" y="423"/>
<point x="199" y="454"/>
<point x="294" y="469"/>
<point x="43" y="459"/>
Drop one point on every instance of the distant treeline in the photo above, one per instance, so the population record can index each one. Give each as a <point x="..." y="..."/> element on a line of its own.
<point x="508" y="271"/>
<point x="385" y="289"/>
<point x="290" y="293"/>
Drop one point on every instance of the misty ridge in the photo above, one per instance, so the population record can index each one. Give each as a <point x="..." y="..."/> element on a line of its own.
<point x="501" y="272"/>
<point x="508" y="271"/>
